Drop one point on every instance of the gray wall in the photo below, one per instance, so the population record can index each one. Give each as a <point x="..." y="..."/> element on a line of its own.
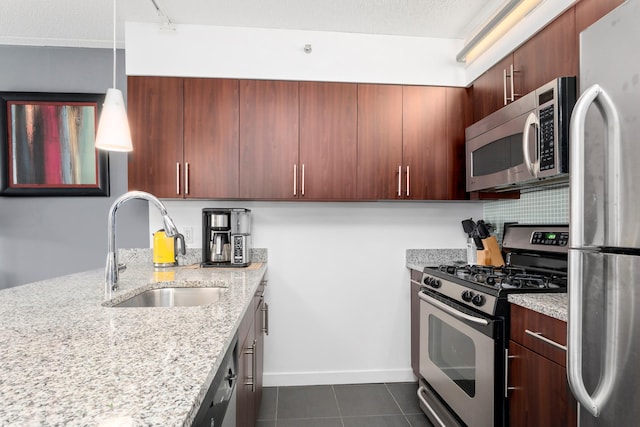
<point x="43" y="237"/>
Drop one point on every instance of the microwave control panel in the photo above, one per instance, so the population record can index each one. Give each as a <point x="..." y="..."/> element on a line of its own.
<point x="547" y="138"/>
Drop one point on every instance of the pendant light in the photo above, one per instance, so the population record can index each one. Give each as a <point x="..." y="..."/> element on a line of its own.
<point x="113" y="128"/>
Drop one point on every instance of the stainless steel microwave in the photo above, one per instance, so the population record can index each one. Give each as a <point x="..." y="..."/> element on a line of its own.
<point x="524" y="144"/>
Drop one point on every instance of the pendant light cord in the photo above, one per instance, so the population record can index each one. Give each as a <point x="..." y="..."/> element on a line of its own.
<point x="114" y="43"/>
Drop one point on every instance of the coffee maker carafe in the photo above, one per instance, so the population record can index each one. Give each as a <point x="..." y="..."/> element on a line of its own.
<point x="226" y="237"/>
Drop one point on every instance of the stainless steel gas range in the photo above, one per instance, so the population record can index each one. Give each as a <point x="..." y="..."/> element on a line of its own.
<point x="464" y="325"/>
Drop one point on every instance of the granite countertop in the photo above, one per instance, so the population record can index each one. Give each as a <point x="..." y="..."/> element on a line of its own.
<point x="418" y="259"/>
<point x="70" y="359"/>
<point x="553" y="305"/>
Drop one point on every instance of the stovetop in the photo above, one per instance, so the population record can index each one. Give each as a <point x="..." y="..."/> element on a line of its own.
<point x="534" y="264"/>
<point x="506" y="277"/>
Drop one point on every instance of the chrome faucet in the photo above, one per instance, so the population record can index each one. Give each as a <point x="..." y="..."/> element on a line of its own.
<point x="112" y="268"/>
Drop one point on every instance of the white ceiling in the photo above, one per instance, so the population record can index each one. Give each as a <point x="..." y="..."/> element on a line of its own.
<point x="89" y="23"/>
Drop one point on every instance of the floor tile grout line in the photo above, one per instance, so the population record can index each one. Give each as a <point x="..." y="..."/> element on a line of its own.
<point x="396" y="402"/>
<point x="335" y="397"/>
<point x="276" y="411"/>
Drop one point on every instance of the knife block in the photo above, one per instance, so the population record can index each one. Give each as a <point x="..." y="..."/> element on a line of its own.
<point x="491" y="254"/>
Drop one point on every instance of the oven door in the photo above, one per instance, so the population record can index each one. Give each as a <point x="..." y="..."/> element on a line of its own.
<point x="458" y="358"/>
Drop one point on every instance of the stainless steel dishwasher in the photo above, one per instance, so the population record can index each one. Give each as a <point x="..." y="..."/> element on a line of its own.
<point x="219" y="406"/>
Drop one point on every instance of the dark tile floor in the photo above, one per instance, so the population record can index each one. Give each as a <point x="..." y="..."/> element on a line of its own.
<point x="354" y="405"/>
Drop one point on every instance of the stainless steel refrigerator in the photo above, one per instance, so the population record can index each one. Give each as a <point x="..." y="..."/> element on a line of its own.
<point x="603" y="359"/>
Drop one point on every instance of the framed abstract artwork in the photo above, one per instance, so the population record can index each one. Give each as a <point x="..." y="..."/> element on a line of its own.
<point x="47" y="145"/>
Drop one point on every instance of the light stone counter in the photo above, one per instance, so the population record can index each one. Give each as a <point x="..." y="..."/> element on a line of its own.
<point x="418" y="259"/>
<point x="68" y="359"/>
<point x="553" y="305"/>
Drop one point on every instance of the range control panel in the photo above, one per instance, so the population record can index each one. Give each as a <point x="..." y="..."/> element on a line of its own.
<point x="549" y="238"/>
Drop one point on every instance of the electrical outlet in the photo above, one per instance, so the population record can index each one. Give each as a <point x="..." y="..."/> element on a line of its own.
<point x="188" y="234"/>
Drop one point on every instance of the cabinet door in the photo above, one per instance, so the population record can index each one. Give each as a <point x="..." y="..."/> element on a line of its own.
<point x="268" y="139"/>
<point x="551" y="53"/>
<point x="424" y="143"/>
<point x="246" y="411"/>
<point x="540" y="394"/>
<point x="459" y="116"/>
<point x="155" y="117"/>
<point x="211" y="138"/>
<point x="488" y="89"/>
<point x="328" y="140"/>
<point x="379" y="141"/>
<point x="589" y="11"/>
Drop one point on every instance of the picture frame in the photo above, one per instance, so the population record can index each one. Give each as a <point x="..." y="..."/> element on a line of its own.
<point x="47" y="145"/>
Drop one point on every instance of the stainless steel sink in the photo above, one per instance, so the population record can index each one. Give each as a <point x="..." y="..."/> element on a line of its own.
<point x="174" y="297"/>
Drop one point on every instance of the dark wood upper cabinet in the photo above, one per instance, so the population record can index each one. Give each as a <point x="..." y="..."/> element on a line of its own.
<point x="489" y="89"/>
<point x="459" y="116"/>
<point x="425" y="145"/>
<point x="328" y="140"/>
<point x="268" y="139"/>
<point x="379" y="142"/>
<point x="550" y="53"/>
<point x="211" y="138"/>
<point x="589" y="11"/>
<point x="155" y="117"/>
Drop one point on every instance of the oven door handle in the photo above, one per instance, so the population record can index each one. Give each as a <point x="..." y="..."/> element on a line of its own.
<point x="452" y="311"/>
<point x="429" y="408"/>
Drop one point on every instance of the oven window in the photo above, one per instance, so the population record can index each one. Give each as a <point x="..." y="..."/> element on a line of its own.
<point x="454" y="353"/>
<point x="500" y="155"/>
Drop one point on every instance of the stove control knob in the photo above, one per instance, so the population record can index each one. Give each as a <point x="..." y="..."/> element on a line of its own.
<point x="467" y="296"/>
<point x="478" y="300"/>
<point x="426" y="280"/>
<point x="436" y="283"/>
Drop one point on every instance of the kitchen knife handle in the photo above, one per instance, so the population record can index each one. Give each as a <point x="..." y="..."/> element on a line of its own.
<point x="177" y="177"/>
<point x="400" y="181"/>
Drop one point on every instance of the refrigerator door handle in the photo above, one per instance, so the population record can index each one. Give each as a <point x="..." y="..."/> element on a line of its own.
<point x="593" y="94"/>
<point x="532" y="166"/>
<point x="592" y="403"/>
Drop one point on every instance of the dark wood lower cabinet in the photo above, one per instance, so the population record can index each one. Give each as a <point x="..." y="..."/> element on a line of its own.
<point x="539" y="394"/>
<point x="250" y="360"/>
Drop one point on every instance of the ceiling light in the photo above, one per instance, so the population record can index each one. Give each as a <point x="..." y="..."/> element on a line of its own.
<point x="502" y="21"/>
<point x="113" y="128"/>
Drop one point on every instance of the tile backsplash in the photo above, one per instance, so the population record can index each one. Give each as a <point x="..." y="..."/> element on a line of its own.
<point x="541" y="206"/>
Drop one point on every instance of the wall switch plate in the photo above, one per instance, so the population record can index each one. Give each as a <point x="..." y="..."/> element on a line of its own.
<point x="188" y="234"/>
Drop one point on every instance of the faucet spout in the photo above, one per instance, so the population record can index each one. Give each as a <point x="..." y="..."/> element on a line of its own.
<point x="111" y="268"/>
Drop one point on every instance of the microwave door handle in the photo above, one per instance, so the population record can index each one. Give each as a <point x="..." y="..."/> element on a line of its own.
<point x="532" y="166"/>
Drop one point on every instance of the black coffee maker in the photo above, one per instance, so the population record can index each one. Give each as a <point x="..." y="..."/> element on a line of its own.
<point x="226" y="237"/>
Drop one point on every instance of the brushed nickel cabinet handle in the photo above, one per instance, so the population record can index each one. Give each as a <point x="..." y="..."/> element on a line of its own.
<point x="407" y="181"/>
<point x="295" y="176"/>
<point x="542" y="338"/>
<point x="400" y="181"/>
<point x="186" y="178"/>
<point x="506" y="373"/>
<point x="302" y="179"/>
<point x="251" y="351"/>
<point x="177" y="177"/>
<point x="265" y="318"/>
<point x="504" y="85"/>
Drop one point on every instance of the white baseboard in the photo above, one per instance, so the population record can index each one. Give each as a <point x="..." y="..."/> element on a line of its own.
<point x="283" y="379"/>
